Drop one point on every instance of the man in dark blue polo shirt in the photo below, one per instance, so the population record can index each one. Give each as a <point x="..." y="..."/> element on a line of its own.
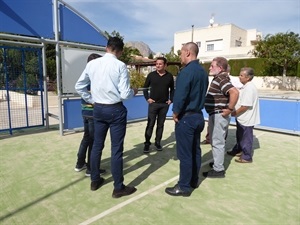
<point x="189" y="97"/>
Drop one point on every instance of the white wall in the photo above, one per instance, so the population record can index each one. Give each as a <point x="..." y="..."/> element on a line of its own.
<point x="292" y="83"/>
<point x="275" y="83"/>
<point x="19" y="99"/>
<point x="228" y="33"/>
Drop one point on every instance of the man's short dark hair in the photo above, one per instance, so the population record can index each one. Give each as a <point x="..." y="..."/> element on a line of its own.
<point x="162" y="58"/>
<point x="115" y="44"/>
<point x="93" y="56"/>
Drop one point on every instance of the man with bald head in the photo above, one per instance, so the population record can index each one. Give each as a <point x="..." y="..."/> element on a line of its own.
<point x="188" y="102"/>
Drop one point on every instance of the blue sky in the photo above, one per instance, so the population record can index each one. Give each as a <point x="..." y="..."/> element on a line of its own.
<point x="154" y="22"/>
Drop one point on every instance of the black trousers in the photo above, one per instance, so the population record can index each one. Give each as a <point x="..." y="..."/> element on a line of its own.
<point x="156" y="112"/>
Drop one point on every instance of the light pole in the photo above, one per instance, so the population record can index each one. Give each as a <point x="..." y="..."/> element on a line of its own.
<point x="192" y="33"/>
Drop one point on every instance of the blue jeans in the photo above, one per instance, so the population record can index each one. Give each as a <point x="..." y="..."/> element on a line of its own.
<point x="156" y="111"/>
<point x="187" y="133"/>
<point x="114" y="118"/>
<point x="86" y="143"/>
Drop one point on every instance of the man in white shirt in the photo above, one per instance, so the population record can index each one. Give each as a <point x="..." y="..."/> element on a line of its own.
<point x="247" y="116"/>
<point x="110" y="85"/>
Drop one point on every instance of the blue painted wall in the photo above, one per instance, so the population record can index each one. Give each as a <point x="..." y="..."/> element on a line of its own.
<point x="280" y="114"/>
<point x="276" y="114"/>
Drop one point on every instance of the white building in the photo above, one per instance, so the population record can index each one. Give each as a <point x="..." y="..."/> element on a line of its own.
<point x="228" y="40"/>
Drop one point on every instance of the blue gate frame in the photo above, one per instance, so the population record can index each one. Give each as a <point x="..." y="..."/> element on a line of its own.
<point x="21" y="88"/>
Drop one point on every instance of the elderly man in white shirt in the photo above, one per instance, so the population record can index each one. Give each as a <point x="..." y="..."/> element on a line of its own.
<point x="110" y="85"/>
<point x="247" y="116"/>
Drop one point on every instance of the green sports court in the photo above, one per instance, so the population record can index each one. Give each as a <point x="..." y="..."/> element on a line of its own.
<point x="39" y="184"/>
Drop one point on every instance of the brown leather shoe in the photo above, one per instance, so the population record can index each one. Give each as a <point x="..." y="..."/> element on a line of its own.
<point x="127" y="190"/>
<point x="95" y="185"/>
<point x="239" y="154"/>
<point x="205" y="142"/>
<point x="240" y="160"/>
<point x="234" y="153"/>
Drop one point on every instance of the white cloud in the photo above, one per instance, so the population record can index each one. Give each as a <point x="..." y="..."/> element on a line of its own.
<point x="155" y="21"/>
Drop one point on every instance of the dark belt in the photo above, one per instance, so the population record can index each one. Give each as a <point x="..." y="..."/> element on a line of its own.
<point x="114" y="104"/>
<point x="215" y="112"/>
<point x="161" y="102"/>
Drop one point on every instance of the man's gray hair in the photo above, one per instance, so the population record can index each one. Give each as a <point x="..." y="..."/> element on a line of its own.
<point x="249" y="72"/>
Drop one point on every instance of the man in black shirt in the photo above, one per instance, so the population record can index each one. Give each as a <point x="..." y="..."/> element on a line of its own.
<point x="160" y="84"/>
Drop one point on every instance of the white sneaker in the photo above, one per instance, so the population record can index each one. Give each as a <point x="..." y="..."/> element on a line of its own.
<point x="80" y="168"/>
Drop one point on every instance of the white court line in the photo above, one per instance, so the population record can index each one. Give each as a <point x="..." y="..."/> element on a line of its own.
<point x="101" y="215"/>
<point x="260" y="134"/>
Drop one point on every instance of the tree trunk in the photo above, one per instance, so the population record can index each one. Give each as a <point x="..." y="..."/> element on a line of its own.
<point x="284" y="75"/>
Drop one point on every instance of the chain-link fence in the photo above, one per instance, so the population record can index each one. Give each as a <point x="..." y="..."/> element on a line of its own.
<point x="21" y="88"/>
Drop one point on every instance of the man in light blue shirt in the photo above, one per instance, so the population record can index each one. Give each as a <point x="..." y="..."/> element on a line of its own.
<point x="110" y="85"/>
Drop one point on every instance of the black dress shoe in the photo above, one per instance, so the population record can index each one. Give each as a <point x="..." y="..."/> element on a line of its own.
<point x="194" y="184"/>
<point x="176" y="191"/>
<point x="214" y="174"/>
<point x="146" y="148"/>
<point x="95" y="185"/>
<point x="126" y="190"/>
<point x="158" y="146"/>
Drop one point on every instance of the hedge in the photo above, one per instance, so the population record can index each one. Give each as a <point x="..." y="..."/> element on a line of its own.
<point x="261" y="67"/>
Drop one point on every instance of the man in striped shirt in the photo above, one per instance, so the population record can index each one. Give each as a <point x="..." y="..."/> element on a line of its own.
<point x="219" y="103"/>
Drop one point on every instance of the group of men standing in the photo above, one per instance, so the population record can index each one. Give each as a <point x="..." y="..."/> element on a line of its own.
<point x="189" y="98"/>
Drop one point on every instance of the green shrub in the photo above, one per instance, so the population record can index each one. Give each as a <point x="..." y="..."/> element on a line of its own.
<point x="173" y="69"/>
<point x="137" y="79"/>
<point x="261" y="67"/>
